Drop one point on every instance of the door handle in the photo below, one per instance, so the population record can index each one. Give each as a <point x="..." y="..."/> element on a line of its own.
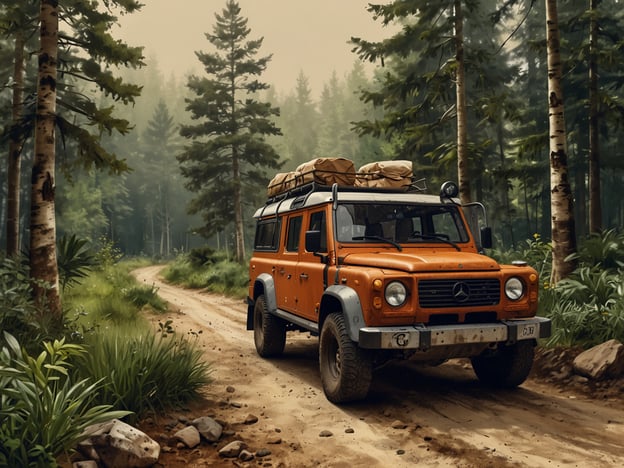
<point x="303" y="276"/>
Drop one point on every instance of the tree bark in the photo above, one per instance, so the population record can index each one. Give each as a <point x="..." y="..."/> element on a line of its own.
<point x="16" y="143"/>
<point x="595" y="205"/>
<point x="463" y="176"/>
<point x="561" y="200"/>
<point x="43" y="266"/>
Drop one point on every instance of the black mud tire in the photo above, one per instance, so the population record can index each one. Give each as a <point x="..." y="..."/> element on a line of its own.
<point x="269" y="330"/>
<point x="506" y="368"/>
<point x="346" y="369"/>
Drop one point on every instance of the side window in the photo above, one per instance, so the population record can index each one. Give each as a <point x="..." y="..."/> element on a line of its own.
<point x="294" y="231"/>
<point x="267" y="234"/>
<point x="317" y="223"/>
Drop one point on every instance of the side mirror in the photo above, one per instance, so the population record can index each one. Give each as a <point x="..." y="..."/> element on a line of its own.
<point x="486" y="237"/>
<point x="313" y="241"/>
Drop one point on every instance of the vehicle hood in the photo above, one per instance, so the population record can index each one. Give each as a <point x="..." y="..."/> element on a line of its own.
<point x="416" y="262"/>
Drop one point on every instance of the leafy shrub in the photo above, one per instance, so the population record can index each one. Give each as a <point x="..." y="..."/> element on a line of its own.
<point x="18" y="314"/>
<point x="535" y="252"/>
<point x="200" y="256"/>
<point x="605" y="249"/>
<point x="75" y="260"/>
<point x="142" y="372"/>
<point x="108" y="254"/>
<point x="43" y="413"/>
<point x="587" y="308"/>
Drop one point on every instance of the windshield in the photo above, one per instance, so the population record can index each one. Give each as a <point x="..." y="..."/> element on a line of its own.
<point x="399" y="223"/>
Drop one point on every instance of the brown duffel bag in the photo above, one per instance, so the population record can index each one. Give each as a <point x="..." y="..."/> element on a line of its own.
<point x="282" y="182"/>
<point x="326" y="171"/>
<point x="385" y="174"/>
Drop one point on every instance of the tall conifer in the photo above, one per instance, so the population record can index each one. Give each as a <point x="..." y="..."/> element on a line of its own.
<point x="226" y="160"/>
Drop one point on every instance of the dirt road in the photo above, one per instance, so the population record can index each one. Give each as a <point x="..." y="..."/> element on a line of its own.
<point x="433" y="417"/>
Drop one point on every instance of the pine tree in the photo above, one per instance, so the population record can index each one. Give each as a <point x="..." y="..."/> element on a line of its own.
<point x="226" y="161"/>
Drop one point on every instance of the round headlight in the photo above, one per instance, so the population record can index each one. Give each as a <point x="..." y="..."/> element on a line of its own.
<point x="514" y="288"/>
<point x="395" y="294"/>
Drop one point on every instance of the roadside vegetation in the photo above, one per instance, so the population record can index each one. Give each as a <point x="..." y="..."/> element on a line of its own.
<point x="587" y="308"/>
<point x="105" y="362"/>
<point x="208" y="269"/>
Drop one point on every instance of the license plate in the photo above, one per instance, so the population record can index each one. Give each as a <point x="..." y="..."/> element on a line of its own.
<point x="530" y="330"/>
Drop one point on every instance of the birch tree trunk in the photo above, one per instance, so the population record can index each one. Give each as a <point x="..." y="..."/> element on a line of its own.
<point x="43" y="266"/>
<point x="561" y="200"/>
<point x="16" y="144"/>
<point x="463" y="177"/>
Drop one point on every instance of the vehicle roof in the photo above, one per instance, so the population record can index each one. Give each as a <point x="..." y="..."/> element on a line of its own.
<point x="350" y="194"/>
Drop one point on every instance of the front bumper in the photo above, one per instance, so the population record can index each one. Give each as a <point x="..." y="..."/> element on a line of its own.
<point x="424" y="337"/>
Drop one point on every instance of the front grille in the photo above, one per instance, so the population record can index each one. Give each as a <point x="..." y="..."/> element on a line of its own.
<point x="458" y="293"/>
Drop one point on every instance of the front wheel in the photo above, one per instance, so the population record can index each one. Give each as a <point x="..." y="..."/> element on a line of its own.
<point x="346" y="369"/>
<point x="269" y="330"/>
<point x="508" y="367"/>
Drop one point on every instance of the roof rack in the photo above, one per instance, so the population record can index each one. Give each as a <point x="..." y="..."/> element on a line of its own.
<point x="417" y="186"/>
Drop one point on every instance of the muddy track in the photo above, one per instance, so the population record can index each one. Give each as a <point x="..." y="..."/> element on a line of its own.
<point x="414" y="415"/>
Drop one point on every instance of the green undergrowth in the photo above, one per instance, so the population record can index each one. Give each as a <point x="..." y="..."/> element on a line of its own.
<point x="206" y="269"/>
<point x="111" y="295"/>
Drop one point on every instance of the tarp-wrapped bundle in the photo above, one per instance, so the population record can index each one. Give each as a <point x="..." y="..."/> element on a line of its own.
<point x="385" y="174"/>
<point x="282" y="182"/>
<point x="327" y="171"/>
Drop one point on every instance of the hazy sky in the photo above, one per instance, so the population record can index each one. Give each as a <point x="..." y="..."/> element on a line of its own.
<point x="303" y="35"/>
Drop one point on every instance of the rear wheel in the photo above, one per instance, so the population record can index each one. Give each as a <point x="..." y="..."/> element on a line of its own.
<point x="269" y="330"/>
<point x="346" y="369"/>
<point x="506" y="368"/>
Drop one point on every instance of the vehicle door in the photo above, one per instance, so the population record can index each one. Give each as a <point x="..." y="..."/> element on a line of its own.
<point x="286" y="265"/>
<point x="311" y="271"/>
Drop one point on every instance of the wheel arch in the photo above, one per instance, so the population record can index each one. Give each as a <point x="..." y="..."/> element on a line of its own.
<point x="263" y="285"/>
<point x="338" y="298"/>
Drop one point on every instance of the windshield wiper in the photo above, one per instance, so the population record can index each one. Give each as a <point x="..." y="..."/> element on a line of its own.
<point x="439" y="237"/>
<point x="379" y="238"/>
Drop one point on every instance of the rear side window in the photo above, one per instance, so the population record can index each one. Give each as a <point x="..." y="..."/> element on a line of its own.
<point x="267" y="234"/>
<point x="294" y="230"/>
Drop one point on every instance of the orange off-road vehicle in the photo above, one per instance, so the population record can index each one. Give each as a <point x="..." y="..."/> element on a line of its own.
<point x="384" y="271"/>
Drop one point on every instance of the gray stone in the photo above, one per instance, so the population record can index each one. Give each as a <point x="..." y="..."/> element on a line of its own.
<point x="326" y="433"/>
<point x="209" y="429"/>
<point x="119" y="444"/>
<point x="263" y="452"/>
<point x="251" y="419"/>
<point x="603" y="361"/>
<point x="233" y="449"/>
<point x="245" y="455"/>
<point x="189" y="436"/>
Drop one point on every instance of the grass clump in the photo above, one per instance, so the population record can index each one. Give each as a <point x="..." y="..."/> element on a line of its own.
<point x="213" y="271"/>
<point x="144" y="371"/>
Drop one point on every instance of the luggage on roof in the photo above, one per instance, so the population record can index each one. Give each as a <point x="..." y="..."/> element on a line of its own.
<point x="385" y="174"/>
<point x="392" y="175"/>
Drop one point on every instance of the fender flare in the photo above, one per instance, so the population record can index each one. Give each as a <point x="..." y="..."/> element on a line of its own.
<point x="263" y="284"/>
<point x="350" y="306"/>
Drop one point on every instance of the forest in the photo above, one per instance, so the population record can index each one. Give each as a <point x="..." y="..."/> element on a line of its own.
<point x="403" y="111"/>
<point x="110" y="158"/>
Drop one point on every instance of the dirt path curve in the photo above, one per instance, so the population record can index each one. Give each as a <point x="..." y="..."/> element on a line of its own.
<point x="434" y="417"/>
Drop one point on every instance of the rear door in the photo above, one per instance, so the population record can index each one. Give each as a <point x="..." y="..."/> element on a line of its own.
<point x="286" y="265"/>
